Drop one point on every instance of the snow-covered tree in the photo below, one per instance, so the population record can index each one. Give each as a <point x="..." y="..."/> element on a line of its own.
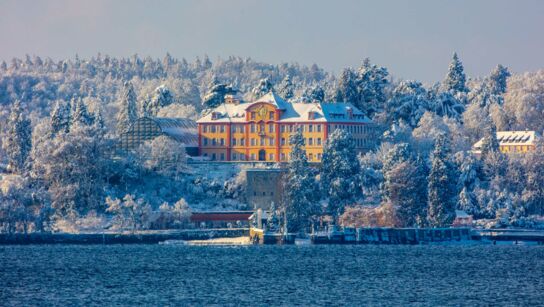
<point x="448" y="105"/>
<point x="215" y="95"/>
<point x="455" y="81"/>
<point x="340" y="175"/>
<point x="19" y="212"/>
<point x="533" y="192"/>
<point x="286" y="89"/>
<point x="300" y="190"/>
<point x="442" y="185"/>
<point x="470" y="175"/>
<point x="497" y="80"/>
<point x="80" y="114"/>
<point x="371" y="83"/>
<point x="164" y="155"/>
<point x="262" y="88"/>
<point x="405" y="185"/>
<point x="347" y="87"/>
<point x="408" y="103"/>
<point x="127" y="113"/>
<point x="60" y="117"/>
<point x="524" y="101"/>
<point x="162" y="96"/>
<point x="129" y="213"/>
<point x="181" y="211"/>
<point x="314" y="93"/>
<point x="17" y="141"/>
<point x="70" y="166"/>
<point x="493" y="159"/>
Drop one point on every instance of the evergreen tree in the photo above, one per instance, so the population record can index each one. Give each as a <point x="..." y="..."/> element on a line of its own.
<point x="127" y="109"/>
<point x="347" y="87"/>
<point x="497" y="80"/>
<point x="455" y="78"/>
<point x="286" y="88"/>
<point x="314" y="93"/>
<point x="409" y="103"/>
<point x="340" y="175"/>
<point x="447" y="105"/>
<point x="442" y="185"/>
<point x="216" y="94"/>
<point x="264" y="87"/>
<point x="371" y="83"/>
<point x="490" y="143"/>
<point x="301" y="195"/>
<point x="60" y="117"/>
<point x="405" y="185"/>
<point x="17" y="142"/>
<point x="162" y="96"/>
<point x="80" y="114"/>
<point x="533" y="192"/>
<point x="470" y="170"/>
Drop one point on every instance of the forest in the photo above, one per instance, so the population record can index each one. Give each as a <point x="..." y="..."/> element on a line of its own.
<point x="59" y="121"/>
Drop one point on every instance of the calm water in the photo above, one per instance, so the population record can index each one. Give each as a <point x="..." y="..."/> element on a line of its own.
<point x="271" y="275"/>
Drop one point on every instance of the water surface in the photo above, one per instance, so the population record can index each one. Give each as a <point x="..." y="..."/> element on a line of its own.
<point x="271" y="275"/>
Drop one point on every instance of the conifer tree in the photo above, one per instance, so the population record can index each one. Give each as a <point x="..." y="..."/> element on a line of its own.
<point x="80" y="114"/>
<point x="286" y="88"/>
<point x="347" y="87"/>
<point x="300" y="189"/>
<point x="216" y="94"/>
<point x="17" y="142"/>
<point x="371" y="83"/>
<point x="455" y="78"/>
<point x="340" y="173"/>
<point x="127" y="109"/>
<point x="442" y="185"/>
<point x="60" y="118"/>
<point x="263" y="88"/>
<point x="405" y="185"/>
<point x="497" y="80"/>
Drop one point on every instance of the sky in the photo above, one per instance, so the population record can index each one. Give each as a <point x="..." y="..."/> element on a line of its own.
<point x="413" y="39"/>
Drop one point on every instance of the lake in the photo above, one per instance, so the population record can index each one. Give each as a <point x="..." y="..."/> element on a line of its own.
<point x="271" y="275"/>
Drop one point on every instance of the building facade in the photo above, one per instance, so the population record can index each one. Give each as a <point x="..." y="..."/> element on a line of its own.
<point x="260" y="130"/>
<point x="264" y="187"/>
<point x="512" y="142"/>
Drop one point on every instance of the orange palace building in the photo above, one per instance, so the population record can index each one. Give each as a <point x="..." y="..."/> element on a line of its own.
<point x="260" y="130"/>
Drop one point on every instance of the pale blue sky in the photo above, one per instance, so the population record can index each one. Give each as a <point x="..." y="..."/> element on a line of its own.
<point x="413" y="39"/>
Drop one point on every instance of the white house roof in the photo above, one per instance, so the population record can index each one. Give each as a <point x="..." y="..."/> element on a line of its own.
<point x="461" y="214"/>
<point x="181" y="129"/>
<point x="274" y="99"/>
<point x="506" y="138"/>
<point x="291" y="112"/>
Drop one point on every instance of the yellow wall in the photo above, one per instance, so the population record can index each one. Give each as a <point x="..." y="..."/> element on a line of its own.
<point x="260" y="116"/>
<point x="516" y="148"/>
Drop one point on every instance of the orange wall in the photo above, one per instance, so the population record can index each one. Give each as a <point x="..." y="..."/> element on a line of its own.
<point x="266" y="116"/>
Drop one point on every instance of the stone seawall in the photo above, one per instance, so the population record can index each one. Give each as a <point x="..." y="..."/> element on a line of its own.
<point x="120" y="238"/>
<point x="411" y="235"/>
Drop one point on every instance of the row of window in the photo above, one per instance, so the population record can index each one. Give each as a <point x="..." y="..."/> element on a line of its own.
<point x="257" y="142"/>
<point x="352" y="128"/>
<point x="270" y="115"/>
<point x="239" y="128"/>
<point x="253" y="157"/>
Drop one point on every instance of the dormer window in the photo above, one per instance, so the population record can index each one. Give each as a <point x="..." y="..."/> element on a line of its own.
<point x="216" y="115"/>
<point x="349" y="111"/>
